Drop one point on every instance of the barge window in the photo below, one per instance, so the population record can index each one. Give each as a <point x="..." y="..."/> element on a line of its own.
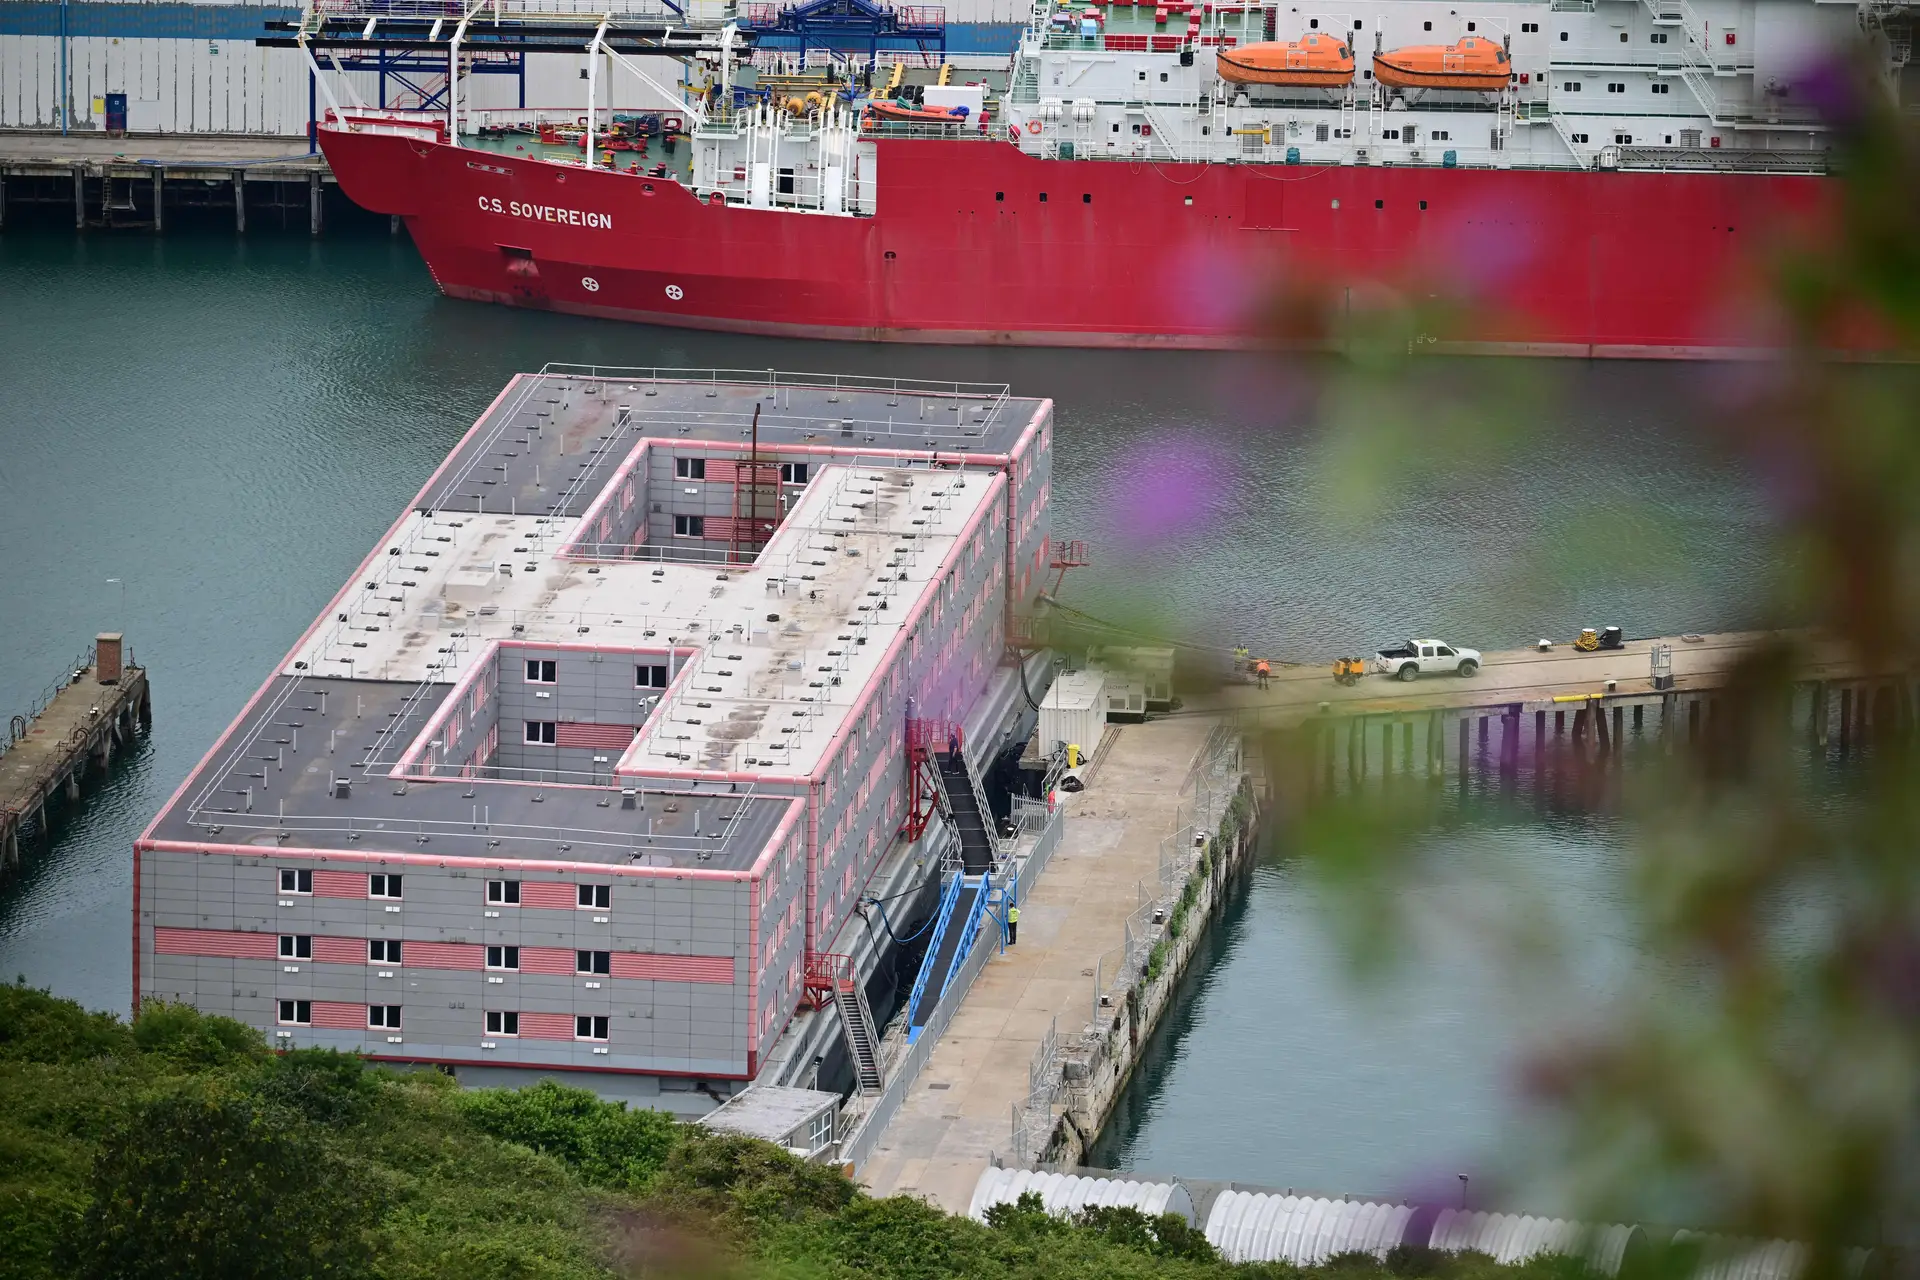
<point x="542" y="671"/>
<point x="506" y="892"/>
<point x="689" y="526"/>
<point x="651" y="675"/>
<point x="296" y="946"/>
<point x="503" y="1023"/>
<point x="503" y="957"/>
<point x="381" y="885"/>
<point x="383" y="951"/>
<point x="296" y="1013"/>
<point x="292" y="881"/>
<point x="540" y="733"/>
<point x="589" y="1026"/>
<point x="690" y="468"/>
<point x="383" y="1016"/>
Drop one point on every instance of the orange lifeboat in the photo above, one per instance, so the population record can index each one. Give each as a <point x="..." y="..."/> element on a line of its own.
<point x="1316" y="61"/>
<point x="1476" y="64"/>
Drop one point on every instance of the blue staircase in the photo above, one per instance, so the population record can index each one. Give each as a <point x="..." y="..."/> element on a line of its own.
<point x="961" y="904"/>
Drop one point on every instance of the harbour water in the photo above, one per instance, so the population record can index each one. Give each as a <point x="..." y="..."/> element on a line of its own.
<point x="200" y="436"/>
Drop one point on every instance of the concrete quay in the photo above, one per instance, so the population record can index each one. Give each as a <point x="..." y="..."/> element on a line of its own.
<point x="136" y="181"/>
<point x="1030" y="999"/>
<point x="1700" y="665"/>
<point x="48" y="752"/>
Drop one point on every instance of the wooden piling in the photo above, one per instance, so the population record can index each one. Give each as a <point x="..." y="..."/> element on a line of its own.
<point x="240" y="200"/>
<point x="159" y="199"/>
<point x="1406" y="747"/>
<point x="1353" y="752"/>
<point x="79" y="197"/>
<point x="90" y="712"/>
<point x="1539" y="738"/>
<point x="1846" y="718"/>
<point x="1619" y="721"/>
<point x="1463" y="752"/>
<point x="313" y="203"/>
<point x="1600" y="729"/>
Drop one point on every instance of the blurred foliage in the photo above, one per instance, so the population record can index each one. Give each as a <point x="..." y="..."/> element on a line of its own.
<point x="1767" y="1081"/>
<point x="128" y="1155"/>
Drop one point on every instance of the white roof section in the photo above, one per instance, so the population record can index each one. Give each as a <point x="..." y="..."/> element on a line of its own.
<point x="1514" y="1238"/>
<point x="1076" y="691"/>
<point x="843" y="571"/>
<point x="1248" y="1226"/>
<point x="1065" y="1194"/>
<point x="769" y="1111"/>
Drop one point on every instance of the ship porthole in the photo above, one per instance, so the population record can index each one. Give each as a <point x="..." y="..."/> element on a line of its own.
<point x="589" y="284"/>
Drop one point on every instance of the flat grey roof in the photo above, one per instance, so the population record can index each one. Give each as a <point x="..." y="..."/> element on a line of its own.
<point x="769" y="1111"/>
<point x="551" y="444"/>
<point x="281" y="759"/>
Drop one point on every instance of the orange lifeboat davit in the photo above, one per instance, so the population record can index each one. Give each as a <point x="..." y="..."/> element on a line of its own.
<point x="1476" y="65"/>
<point x="1315" y="61"/>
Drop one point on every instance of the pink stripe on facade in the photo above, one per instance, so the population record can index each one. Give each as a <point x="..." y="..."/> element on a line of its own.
<point x="339" y="884"/>
<point x="606" y="737"/>
<point x="546" y="960"/>
<point x="339" y="1015"/>
<point x="546" y="1026"/>
<point x="549" y="893"/>
<point x="659" y="968"/>
<point x="226" y="943"/>
<point x="442" y="955"/>
<point x="340" y="950"/>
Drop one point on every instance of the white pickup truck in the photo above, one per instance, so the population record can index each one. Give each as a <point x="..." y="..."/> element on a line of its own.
<point x="1415" y="658"/>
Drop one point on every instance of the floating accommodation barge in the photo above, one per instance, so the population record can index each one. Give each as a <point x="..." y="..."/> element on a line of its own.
<point x="588" y="763"/>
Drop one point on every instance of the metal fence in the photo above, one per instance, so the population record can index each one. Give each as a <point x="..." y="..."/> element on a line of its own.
<point x="1020" y="871"/>
<point x="1213" y="778"/>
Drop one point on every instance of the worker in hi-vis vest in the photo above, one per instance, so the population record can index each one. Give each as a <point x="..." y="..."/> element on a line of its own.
<point x="1013" y="925"/>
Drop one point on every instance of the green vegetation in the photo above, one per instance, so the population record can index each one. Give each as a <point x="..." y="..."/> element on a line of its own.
<point x="181" y="1147"/>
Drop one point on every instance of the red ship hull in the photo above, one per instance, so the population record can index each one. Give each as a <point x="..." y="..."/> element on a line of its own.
<point x="975" y="242"/>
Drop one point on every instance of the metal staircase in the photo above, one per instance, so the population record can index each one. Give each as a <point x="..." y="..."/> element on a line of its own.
<point x="834" y="976"/>
<point x="967" y="809"/>
<point x="961" y="905"/>
<point x="1697" y="64"/>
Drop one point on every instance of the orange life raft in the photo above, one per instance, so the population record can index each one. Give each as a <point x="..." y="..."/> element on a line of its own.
<point x="1315" y="61"/>
<point x="1476" y="64"/>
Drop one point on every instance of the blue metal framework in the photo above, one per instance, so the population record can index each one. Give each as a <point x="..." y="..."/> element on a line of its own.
<point x="847" y="26"/>
<point x="412" y="70"/>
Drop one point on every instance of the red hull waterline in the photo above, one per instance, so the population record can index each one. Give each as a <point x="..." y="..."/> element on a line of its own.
<point x="976" y="242"/>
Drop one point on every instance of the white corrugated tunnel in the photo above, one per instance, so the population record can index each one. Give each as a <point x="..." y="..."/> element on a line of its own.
<point x="1065" y="1194"/>
<point x="1513" y="1238"/>
<point x="1255" y="1226"/>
